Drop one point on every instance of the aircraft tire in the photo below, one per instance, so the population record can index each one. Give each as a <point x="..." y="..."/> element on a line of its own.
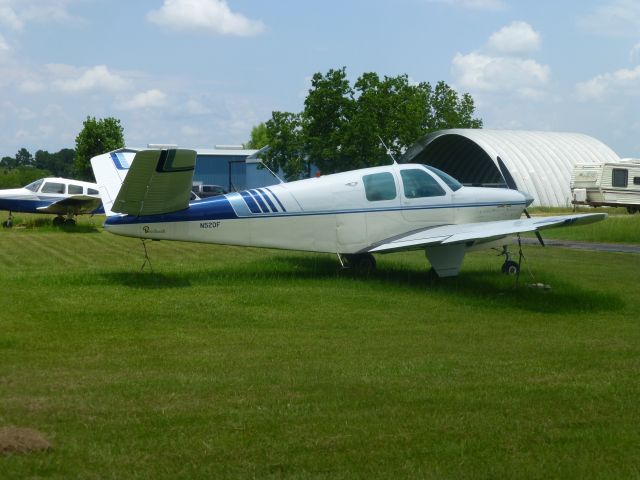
<point x="7" y="224"/>
<point x="510" y="267"/>
<point x="362" y="263"/>
<point x="633" y="210"/>
<point x="58" y="221"/>
<point x="70" y="222"/>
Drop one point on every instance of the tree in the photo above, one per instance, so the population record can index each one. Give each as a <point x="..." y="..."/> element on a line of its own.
<point x="60" y="164"/>
<point x="22" y="159"/>
<point x="284" y="131"/>
<point x="343" y="127"/>
<point x="258" y="138"/>
<point x="95" y="138"/>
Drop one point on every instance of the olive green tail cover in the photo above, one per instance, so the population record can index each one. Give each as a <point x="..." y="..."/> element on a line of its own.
<point x="158" y="181"/>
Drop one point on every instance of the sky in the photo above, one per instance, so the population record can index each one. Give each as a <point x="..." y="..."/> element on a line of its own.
<point x="203" y="72"/>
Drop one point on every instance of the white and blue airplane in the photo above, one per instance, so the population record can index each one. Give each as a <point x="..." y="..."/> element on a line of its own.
<point x="62" y="197"/>
<point x="352" y="214"/>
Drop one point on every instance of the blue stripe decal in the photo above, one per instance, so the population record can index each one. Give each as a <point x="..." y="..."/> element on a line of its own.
<point x="248" y="199"/>
<point x="268" y="200"/>
<point x="219" y="208"/>
<point x="277" y="199"/>
<point x="258" y="198"/>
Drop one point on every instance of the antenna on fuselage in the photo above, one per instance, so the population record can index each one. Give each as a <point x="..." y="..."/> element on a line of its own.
<point x="388" y="150"/>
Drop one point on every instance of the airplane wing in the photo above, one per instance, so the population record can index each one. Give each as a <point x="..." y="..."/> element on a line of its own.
<point x="77" y="204"/>
<point x="159" y="181"/>
<point x="478" y="232"/>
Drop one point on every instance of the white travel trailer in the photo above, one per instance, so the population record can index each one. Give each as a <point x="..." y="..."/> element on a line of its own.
<point x="608" y="184"/>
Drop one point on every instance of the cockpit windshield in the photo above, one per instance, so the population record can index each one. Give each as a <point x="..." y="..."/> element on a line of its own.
<point x="34" y="186"/>
<point x="451" y="182"/>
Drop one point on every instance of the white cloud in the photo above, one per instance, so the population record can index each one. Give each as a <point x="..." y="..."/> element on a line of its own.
<point x="621" y="82"/>
<point x="212" y="16"/>
<point x="16" y="13"/>
<point x="9" y="18"/>
<point x="613" y="18"/>
<point x="478" y="72"/>
<point x="494" y="5"/>
<point x="153" y="98"/>
<point x="516" y="38"/>
<point x="71" y="79"/>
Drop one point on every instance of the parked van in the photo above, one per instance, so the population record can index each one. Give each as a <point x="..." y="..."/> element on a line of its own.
<point x="607" y="184"/>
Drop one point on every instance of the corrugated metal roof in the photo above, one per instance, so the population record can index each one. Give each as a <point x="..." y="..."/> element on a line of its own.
<point x="539" y="162"/>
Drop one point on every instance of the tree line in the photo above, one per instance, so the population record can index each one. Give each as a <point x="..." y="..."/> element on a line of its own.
<point x="95" y="137"/>
<point x="345" y="126"/>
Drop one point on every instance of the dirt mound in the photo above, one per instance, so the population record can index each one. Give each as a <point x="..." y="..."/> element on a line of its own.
<point x="22" y="440"/>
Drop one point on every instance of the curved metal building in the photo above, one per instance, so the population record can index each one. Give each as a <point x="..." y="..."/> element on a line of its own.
<point x="539" y="163"/>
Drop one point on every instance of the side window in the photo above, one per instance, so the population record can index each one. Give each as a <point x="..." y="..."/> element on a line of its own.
<point x="379" y="186"/>
<point x="419" y="184"/>
<point x="75" y="189"/>
<point x="636" y="180"/>
<point x="620" y="177"/>
<point x="92" y="191"/>
<point x="53" y="187"/>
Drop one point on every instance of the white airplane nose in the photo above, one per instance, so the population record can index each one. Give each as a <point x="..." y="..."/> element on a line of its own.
<point x="527" y="197"/>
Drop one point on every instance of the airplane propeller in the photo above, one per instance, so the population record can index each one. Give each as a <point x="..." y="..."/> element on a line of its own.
<point x="511" y="183"/>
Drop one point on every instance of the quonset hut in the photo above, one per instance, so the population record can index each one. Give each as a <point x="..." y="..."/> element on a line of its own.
<point x="539" y="163"/>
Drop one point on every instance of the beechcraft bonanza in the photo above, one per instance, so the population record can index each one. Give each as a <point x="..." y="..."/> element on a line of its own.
<point x="353" y="214"/>
<point x="59" y="196"/>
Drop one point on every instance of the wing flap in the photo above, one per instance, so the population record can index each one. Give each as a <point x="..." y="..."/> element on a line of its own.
<point x="480" y="232"/>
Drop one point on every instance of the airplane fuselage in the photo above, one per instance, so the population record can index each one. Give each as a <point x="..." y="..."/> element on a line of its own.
<point x="340" y="213"/>
<point x="44" y="192"/>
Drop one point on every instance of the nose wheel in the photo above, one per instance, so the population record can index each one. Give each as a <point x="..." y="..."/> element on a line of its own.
<point x="510" y="266"/>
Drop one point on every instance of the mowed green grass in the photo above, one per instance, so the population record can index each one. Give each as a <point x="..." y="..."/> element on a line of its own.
<point x="230" y="362"/>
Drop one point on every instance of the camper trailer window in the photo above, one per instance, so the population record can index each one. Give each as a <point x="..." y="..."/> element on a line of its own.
<point x="379" y="186"/>
<point x="636" y="180"/>
<point x="620" y="177"/>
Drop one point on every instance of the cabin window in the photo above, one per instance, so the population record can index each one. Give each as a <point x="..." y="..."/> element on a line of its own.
<point x="419" y="184"/>
<point x="53" y="187"/>
<point x="93" y="191"/>
<point x="34" y="186"/>
<point x="75" y="189"/>
<point x="636" y="180"/>
<point x="379" y="186"/>
<point x="620" y="177"/>
<point x="451" y="182"/>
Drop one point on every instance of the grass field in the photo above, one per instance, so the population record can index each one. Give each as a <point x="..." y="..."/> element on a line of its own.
<point x="227" y="362"/>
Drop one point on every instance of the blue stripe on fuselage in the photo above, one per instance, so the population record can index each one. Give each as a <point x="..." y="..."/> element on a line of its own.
<point x="26" y="206"/>
<point x="268" y="200"/>
<point x="251" y="203"/>
<point x="219" y="208"/>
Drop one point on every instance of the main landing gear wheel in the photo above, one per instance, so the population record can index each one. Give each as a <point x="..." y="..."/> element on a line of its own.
<point x="510" y="268"/>
<point x="58" y="221"/>
<point x="8" y="223"/>
<point x="361" y="263"/>
<point x="70" y="222"/>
